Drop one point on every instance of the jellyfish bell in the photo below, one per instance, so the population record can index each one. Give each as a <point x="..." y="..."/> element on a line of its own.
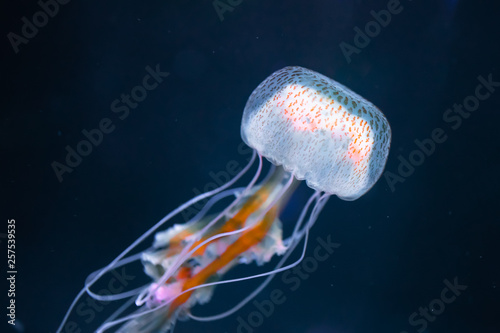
<point x="318" y="130"/>
<point x="310" y="128"/>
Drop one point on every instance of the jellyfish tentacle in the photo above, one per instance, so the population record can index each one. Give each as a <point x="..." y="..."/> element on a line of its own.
<point x="253" y="236"/>
<point x="115" y="297"/>
<point x="149" y="232"/>
<point x="213" y="200"/>
<point x="185" y="254"/>
<point x="248" y="239"/>
<point x="187" y="292"/>
<point x="120" y="310"/>
<point x="334" y="150"/>
<point x="143" y="297"/>
<point x="189" y="228"/>
<point x="294" y="241"/>
<point x="239" y="246"/>
<point x="302" y="215"/>
<point x="270" y="275"/>
<point x="130" y="259"/>
<point x="315" y="212"/>
<point x="156" y="320"/>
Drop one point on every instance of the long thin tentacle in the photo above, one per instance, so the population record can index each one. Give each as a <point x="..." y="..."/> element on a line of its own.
<point x="149" y="232"/>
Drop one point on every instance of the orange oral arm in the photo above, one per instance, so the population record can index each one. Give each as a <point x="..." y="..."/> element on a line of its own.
<point x="248" y="238"/>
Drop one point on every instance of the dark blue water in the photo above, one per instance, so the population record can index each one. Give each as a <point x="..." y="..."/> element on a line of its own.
<point x="418" y="253"/>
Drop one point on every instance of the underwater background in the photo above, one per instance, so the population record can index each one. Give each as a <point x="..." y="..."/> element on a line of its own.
<point x="431" y="222"/>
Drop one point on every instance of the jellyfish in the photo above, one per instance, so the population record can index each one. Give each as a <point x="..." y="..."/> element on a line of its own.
<point x="311" y="128"/>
